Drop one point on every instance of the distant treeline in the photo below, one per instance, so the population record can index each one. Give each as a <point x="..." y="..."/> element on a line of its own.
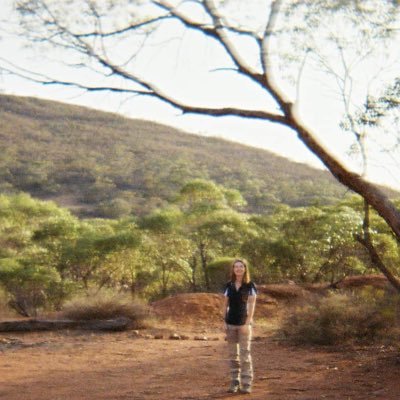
<point x="47" y="254"/>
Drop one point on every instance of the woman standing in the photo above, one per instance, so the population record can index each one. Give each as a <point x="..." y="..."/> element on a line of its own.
<point x="239" y="304"/>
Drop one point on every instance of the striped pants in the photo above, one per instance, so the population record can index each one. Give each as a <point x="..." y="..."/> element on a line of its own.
<point x="239" y="344"/>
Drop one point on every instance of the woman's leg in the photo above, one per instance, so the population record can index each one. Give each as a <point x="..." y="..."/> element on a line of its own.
<point x="246" y="364"/>
<point x="232" y="337"/>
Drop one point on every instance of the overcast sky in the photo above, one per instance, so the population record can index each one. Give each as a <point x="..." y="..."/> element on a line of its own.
<point x="319" y="104"/>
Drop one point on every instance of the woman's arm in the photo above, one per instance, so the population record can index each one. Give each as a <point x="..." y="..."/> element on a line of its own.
<point x="224" y="307"/>
<point x="251" y="305"/>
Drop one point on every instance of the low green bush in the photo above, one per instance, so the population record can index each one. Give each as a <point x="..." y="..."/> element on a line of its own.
<point x="28" y="285"/>
<point x="343" y="317"/>
<point x="218" y="273"/>
<point x="105" y="305"/>
<point x="6" y="311"/>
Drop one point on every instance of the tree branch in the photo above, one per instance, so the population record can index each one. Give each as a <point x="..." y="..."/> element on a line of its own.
<point x="374" y="196"/>
<point x="217" y="32"/>
<point x="264" y="46"/>
<point x="151" y="91"/>
<point x="366" y="241"/>
<point x="129" y="28"/>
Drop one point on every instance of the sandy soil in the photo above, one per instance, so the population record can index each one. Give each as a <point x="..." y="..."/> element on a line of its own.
<point x="95" y="366"/>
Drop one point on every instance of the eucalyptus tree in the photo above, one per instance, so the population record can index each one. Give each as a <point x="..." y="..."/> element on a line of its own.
<point x="29" y="260"/>
<point x="307" y="244"/>
<point x="211" y="220"/>
<point x="110" y="39"/>
<point x="84" y="258"/>
<point x="377" y="239"/>
<point x="168" y="250"/>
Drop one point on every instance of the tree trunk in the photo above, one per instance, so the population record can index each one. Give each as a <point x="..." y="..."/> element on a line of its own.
<point x="193" y="267"/>
<point x="371" y="194"/>
<point x="132" y="288"/>
<point x="203" y="257"/>
<point x="31" y="325"/>
<point x="366" y="241"/>
<point x="164" y="280"/>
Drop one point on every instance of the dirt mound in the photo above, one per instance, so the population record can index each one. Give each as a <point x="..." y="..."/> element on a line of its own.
<point x="282" y="291"/>
<point x="204" y="308"/>
<point x="293" y="291"/>
<point x="355" y="282"/>
<point x="195" y="307"/>
<point x="377" y="281"/>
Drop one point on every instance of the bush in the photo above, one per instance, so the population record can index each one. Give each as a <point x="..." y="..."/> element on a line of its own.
<point x="339" y="318"/>
<point x="114" y="208"/>
<point x="104" y="305"/>
<point x="218" y="272"/>
<point x="28" y="286"/>
<point x="5" y="310"/>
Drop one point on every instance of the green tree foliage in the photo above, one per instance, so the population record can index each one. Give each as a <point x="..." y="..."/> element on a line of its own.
<point x="168" y="249"/>
<point x="26" y="270"/>
<point x="83" y="258"/>
<point x="29" y="286"/>
<point x="382" y="237"/>
<point x="132" y="270"/>
<point x="47" y="253"/>
<point x="307" y="244"/>
<point x="218" y="271"/>
<point x="211" y="222"/>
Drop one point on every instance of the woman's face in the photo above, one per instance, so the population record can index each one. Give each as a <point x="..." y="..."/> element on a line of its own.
<point x="239" y="269"/>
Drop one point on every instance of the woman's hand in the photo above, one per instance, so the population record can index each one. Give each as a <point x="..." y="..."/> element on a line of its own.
<point x="245" y="329"/>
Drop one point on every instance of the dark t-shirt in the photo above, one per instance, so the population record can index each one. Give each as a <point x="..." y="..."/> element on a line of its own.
<point x="237" y="302"/>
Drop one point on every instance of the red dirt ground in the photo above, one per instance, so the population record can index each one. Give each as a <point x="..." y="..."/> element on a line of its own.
<point x="79" y="365"/>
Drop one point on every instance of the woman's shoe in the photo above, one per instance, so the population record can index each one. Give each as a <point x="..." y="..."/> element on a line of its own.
<point x="246" y="389"/>
<point x="234" y="388"/>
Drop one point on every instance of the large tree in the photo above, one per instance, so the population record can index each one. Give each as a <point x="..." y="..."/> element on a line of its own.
<point x="252" y="41"/>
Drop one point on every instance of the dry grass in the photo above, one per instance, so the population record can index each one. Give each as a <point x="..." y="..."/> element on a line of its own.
<point x="341" y="317"/>
<point x="376" y="281"/>
<point x="103" y="306"/>
<point x="283" y="291"/>
<point x="5" y="311"/>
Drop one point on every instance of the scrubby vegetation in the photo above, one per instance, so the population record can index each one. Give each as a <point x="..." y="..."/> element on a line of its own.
<point x="102" y="165"/>
<point x="107" y="305"/>
<point x="363" y="316"/>
<point x="48" y="255"/>
<point x="177" y="210"/>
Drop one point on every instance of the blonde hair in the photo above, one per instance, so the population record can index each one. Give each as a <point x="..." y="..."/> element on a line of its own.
<point x="246" y="276"/>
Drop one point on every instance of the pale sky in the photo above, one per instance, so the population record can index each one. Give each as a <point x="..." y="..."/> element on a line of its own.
<point x="186" y="75"/>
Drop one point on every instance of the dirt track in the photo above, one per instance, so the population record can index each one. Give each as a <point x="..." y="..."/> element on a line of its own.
<point x="82" y="366"/>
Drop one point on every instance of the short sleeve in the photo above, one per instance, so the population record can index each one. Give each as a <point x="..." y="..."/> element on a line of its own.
<point x="252" y="289"/>
<point x="226" y="290"/>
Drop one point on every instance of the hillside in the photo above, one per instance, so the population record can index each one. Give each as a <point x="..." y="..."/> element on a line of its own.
<point x="101" y="164"/>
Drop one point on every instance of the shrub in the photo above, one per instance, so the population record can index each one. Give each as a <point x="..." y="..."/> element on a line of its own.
<point x="5" y="310"/>
<point x="339" y="318"/>
<point x="114" y="208"/>
<point x="218" y="272"/>
<point x="105" y="305"/>
<point x="28" y="286"/>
